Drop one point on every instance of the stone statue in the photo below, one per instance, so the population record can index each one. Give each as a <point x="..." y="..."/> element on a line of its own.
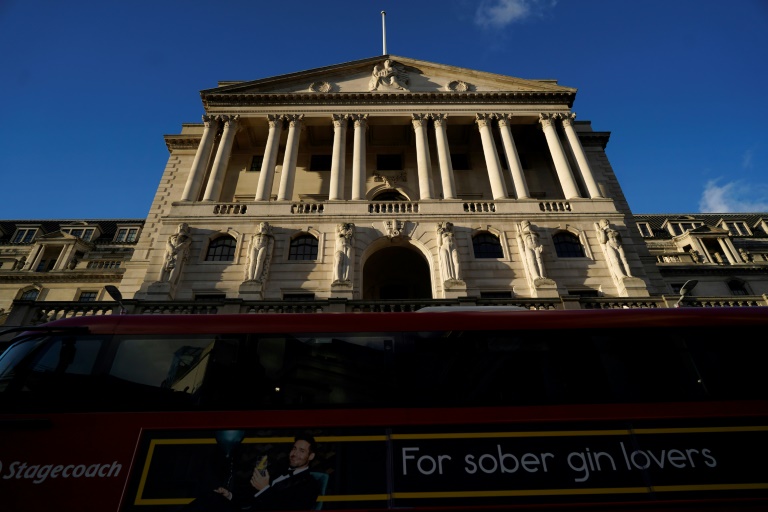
<point x="449" y="254"/>
<point x="532" y="249"/>
<point x="388" y="76"/>
<point x="176" y="253"/>
<point x="19" y="265"/>
<point x="345" y="234"/>
<point x="610" y="239"/>
<point x="259" y="254"/>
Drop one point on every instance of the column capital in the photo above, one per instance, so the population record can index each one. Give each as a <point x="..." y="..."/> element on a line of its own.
<point x="567" y="117"/>
<point x="483" y="120"/>
<point x="359" y="119"/>
<point x="293" y="119"/>
<point x="274" y="119"/>
<point x="207" y="120"/>
<point x="439" y="119"/>
<point x="338" y="119"/>
<point x="227" y="119"/>
<point x="504" y="119"/>
<point x="547" y="119"/>
<point x="419" y="120"/>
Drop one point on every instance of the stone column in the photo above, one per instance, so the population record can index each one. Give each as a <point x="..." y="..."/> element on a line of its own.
<point x="731" y="254"/>
<point x="338" y="163"/>
<point x="513" y="159"/>
<point x="219" y="169"/>
<point x="285" y="193"/>
<point x="498" y="188"/>
<point x="423" y="161"/>
<point x="200" y="163"/>
<point x="581" y="158"/>
<point x="562" y="168"/>
<point x="34" y="261"/>
<point x="267" y="174"/>
<point x="358" y="157"/>
<point x="444" y="156"/>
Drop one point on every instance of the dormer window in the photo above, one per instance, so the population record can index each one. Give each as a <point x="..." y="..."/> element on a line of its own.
<point x="736" y="228"/>
<point x="85" y="234"/>
<point x="127" y="235"/>
<point x="678" y="228"/>
<point x="24" y="236"/>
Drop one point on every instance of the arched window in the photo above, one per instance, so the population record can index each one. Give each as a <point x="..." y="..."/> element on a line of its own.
<point x="487" y="245"/>
<point x="737" y="287"/>
<point x="567" y="245"/>
<point x="221" y="248"/>
<point x="303" y="247"/>
<point x="30" y="294"/>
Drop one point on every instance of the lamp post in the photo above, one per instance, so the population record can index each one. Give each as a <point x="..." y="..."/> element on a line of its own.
<point x="685" y="290"/>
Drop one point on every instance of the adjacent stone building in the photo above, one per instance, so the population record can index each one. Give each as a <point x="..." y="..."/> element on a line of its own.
<point x="384" y="184"/>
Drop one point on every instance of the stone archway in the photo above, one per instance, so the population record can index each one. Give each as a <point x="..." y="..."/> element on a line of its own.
<point x="398" y="272"/>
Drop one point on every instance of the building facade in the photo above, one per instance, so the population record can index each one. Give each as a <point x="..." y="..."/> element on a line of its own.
<point x="380" y="184"/>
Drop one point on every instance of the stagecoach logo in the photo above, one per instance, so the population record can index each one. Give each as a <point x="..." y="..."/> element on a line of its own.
<point x="39" y="473"/>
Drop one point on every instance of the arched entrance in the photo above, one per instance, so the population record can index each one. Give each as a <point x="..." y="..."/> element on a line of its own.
<point x="399" y="272"/>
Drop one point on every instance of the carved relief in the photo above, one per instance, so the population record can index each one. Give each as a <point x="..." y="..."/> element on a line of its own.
<point x="388" y="76"/>
<point x="458" y="86"/>
<point x="393" y="228"/>
<point x="321" y="86"/>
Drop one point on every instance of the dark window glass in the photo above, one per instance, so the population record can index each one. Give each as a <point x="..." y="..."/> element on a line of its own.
<point x="320" y="162"/>
<point x="221" y="249"/>
<point x="30" y="295"/>
<point x="487" y="245"/>
<point x="87" y="296"/>
<point x="389" y="162"/>
<point x="495" y="295"/>
<point x="299" y="296"/>
<point x="390" y="195"/>
<point x="567" y="245"/>
<point x="737" y="287"/>
<point x="303" y="247"/>
<point x="256" y="163"/>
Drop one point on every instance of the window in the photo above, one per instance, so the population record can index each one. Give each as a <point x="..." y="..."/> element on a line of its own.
<point x="126" y="234"/>
<point x="303" y="247"/>
<point x="24" y="236"/>
<point x="678" y="228"/>
<point x="737" y="228"/>
<point x="210" y="296"/>
<point x="30" y="294"/>
<point x="298" y="296"/>
<point x="221" y="249"/>
<point x="390" y="195"/>
<point x="645" y="229"/>
<point x="567" y="245"/>
<point x="85" y="234"/>
<point x="737" y="287"/>
<point x="389" y="162"/>
<point x="320" y="162"/>
<point x="87" y="296"/>
<point x="256" y="162"/>
<point x="460" y="162"/>
<point x="487" y="245"/>
<point x="589" y="294"/>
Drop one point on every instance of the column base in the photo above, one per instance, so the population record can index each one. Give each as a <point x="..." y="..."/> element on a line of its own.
<point x="543" y="287"/>
<point x="454" y="289"/>
<point x="160" y="290"/>
<point x="632" y="287"/>
<point x="341" y="290"/>
<point x="252" y="290"/>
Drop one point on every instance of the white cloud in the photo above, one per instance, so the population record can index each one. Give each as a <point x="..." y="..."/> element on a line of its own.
<point x="500" y="13"/>
<point x="733" y="197"/>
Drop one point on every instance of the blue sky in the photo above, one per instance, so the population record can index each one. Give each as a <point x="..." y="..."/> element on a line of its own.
<point x="91" y="87"/>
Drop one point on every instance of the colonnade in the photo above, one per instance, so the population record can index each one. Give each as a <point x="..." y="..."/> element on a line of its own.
<point x="420" y="121"/>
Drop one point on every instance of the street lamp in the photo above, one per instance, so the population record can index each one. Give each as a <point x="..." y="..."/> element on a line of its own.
<point x="685" y="290"/>
<point x="116" y="296"/>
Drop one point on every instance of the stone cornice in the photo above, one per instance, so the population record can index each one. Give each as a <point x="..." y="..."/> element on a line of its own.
<point x="384" y="98"/>
<point x="182" y="141"/>
<point x="592" y="139"/>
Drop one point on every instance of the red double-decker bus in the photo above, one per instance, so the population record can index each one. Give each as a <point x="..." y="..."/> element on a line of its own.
<point x="641" y="409"/>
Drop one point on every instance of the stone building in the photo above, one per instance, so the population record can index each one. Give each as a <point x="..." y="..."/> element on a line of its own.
<point x="382" y="184"/>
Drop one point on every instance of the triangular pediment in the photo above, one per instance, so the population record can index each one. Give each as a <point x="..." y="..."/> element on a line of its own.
<point x="389" y="74"/>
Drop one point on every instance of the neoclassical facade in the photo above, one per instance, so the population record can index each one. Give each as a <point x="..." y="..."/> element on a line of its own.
<point x="393" y="179"/>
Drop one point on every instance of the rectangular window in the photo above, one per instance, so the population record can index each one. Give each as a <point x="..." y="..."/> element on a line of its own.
<point x="737" y="228"/>
<point x="126" y="234"/>
<point x="495" y="295"/>
<point x="320" y="162"/>
<point x="645" y="229"/>
<point x="256" y="162"/>
<point x="82" y="233"/>
<point x="87" y="296"/>
<point x="298" y="296"/>
<point x="389" y="162"/>
<point x="24" y="236"/>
